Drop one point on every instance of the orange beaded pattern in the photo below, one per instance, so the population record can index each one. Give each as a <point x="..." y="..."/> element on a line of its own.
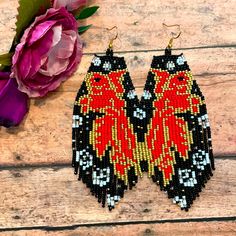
<point x="116" y="137"/>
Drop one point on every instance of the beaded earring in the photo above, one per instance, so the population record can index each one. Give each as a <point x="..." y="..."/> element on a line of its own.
<point x="116" y="136"/>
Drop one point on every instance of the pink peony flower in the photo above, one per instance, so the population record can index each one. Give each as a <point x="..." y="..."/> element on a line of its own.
<point x="48" y="53"/>
<point x="70" y="5"/>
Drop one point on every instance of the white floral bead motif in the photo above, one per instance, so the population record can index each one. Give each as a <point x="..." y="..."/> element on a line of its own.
<point x="101" y="176"/>
<point x="187" y="177"/>
<point x="96" y="61"/>
<point x="139" y="113"/>
<point x="107" y="65"/>
<point x="181" y="201"/>
<point x="181" y="60"/>
<point x="131" y="94"/>
<point x="85" y="158"/>
<point x="147" y="94"/>
<point x="170" y="65"/>
<point x="77" y="121"/>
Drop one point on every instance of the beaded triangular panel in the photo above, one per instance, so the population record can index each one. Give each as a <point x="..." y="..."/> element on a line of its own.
<point x="117" y="137"/>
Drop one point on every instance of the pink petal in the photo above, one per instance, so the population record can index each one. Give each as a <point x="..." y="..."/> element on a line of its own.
<point x="33" y="89"/>
<point x="57" y="34"/>
<point x="75" y="4"/>
<point x="24" y="65"/>
<point x="69" y="4"/>
<point x="65" y="47"/>
<point x="39" y="31"/>
<point x="45" y="59"/>
<point x="39" y="52"/>
<point x="54" y="66"/>
<point x="76" y="56"/>
<point x="57" y="61"/>
<point x="27" y="60"/>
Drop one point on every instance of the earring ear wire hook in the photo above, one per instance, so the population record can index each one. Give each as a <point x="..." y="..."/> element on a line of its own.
<point x="114" y="38"/>
<point x="170" y="44"/>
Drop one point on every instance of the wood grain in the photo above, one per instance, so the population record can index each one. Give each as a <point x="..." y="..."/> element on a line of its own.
<point x="53" y="197"/>
<point x="213" y="62"/>
<point x="8" y="11"/>
<point x="48" y="194"/>
<point x="165" y="229"/>
<point x="203" y="23"/>
<point x="45" y="135"/>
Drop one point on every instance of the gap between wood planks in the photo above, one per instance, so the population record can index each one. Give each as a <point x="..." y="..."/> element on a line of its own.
<point x="62" y="165"/>
<point x="162" y="49"/>
<point x="72" y="227"/>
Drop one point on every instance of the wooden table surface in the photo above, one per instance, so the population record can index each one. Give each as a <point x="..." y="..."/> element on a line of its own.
<point x="39" y="193"/>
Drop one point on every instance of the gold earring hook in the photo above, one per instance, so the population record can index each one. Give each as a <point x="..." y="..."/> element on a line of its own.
<point x="170" y="44"/>
<point x="114" y="38"/>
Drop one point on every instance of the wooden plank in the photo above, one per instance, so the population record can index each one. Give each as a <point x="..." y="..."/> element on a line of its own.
<point x="45" y="135"/>
<point x="140" y="23"/>
<point x="214" y="74"/>
<point x="177" y="229"/>
<point x="8" y="11"/>
<point x="203" y="23"/>
<point x="203" y="62"/>
<point x="53" y="197"/>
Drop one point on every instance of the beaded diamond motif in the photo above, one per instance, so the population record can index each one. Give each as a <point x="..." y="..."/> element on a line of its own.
<point x="116" y="137"/>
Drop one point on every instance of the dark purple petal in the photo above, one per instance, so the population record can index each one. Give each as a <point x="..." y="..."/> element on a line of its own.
<point x="39" y="31"/>
<point x="13" y="103"/>
<point x="24" y="64"/>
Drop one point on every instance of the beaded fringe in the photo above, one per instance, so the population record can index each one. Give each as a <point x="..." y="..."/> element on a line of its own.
<point x="116" y="137"/>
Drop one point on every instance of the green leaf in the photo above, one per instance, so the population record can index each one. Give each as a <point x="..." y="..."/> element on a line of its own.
<point x="82" y="29"/>
<point x="27" y="11"/>
<point x="87" y="12"/>
<point x="5" y="59"/>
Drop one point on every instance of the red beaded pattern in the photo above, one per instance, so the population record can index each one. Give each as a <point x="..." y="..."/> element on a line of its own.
<point x="117" y="137"/>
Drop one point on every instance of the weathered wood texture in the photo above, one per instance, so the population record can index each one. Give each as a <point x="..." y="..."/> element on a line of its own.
<point x="166" y="229"/>
<point x="204" y="23"/>
<point x="46" y="196"/>
<point x="214" y="69"/>
<point x="48" y="123"/>
<point x="53" y="197"/>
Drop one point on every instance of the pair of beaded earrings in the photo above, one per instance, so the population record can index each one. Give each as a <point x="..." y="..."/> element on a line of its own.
<point x="116" y="136"/>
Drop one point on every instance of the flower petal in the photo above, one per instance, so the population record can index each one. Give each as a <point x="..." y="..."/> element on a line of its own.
<point x="43" y="61"/>
<point x="57" y="34"/>
<point x="57" y="61"/>
<point x="13" y="103"/>
<point x="27" y="60"/>
<point x="39" y="51"/>
<point x="65" y="47"/>
<point x="69" y="4"/>
<point x="24" y="64"/>
<point x="39" y="31"/>
<point x="54" y="66"/>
